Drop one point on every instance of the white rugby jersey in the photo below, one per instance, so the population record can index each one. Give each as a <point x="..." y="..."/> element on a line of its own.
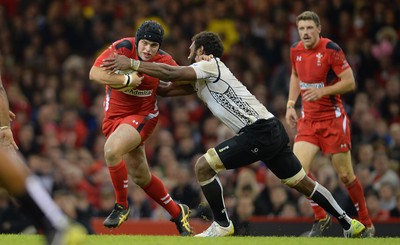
<point x="226" y="97"/>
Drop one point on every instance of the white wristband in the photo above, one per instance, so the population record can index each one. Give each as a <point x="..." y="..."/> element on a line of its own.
<point x="128" y="80"/>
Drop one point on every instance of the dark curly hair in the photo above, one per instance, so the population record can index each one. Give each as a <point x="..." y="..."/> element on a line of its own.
<point x="211" y="43"/>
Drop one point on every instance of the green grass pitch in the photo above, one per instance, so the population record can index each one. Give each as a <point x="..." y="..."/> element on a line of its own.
<point x="176" y="240"/>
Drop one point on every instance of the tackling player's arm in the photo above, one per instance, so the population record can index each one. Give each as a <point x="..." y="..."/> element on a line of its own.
<point x="165" y="72"/>
<point x="171" y="89"/>
<point x="159" y="70"/>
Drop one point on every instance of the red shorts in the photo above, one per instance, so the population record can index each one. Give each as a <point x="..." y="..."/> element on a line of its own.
<point x="144" y="125"/>
<point x="332" y="136"/>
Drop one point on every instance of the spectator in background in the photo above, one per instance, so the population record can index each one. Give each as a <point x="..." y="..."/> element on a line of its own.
<point x="374" y="208"/>
<point x="323" y="118"/>
<point x="262" y="203"/>
<point x="184" y="191"/>
<point x="394" y="145"/>
<point x="11" y="219"/>
<point x="140" y="205"/>
<point x="383" y="173"/>
<point x="387" y="196"/>
<point x="390" y="103"/>
<point x="242" y="212"/>
<point x="363" y="173"/>
<point x="365" y="155"/>
<point x="395" y="212"/>
<point x="279" y="197"/>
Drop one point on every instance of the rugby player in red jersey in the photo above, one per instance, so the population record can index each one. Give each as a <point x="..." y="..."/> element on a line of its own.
<point x="320" y="74"/>
<point x="131" y="114"/>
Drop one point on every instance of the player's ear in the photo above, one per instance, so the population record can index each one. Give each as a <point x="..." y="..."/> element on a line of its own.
<point x="200" y="51"/>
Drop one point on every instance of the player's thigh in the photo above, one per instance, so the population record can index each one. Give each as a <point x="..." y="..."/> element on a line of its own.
<point x="343" y="165"/>
<point x="285" y="164"/>
<point x="305" y="152"/>
<point x="235" y="153"/>
<point x="123" y="139"/>
<point x="130" y="132"/>
<point x="261" y="140"/>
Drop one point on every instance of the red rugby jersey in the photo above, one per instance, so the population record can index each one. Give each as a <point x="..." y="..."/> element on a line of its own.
<point x="319" y="67"/>
<point x="139" y="101"/>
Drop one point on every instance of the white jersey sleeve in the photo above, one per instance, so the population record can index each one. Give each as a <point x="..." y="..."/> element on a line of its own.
<point x="226" y="97"/>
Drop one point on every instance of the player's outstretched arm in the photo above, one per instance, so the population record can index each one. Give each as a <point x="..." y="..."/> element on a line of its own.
<point x="159" y="70"/>
<point x="172" y="89"/>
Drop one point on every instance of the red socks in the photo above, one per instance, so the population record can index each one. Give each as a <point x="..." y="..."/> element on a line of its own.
<point x="156" y="190"/>
<point x="119" y="177"/>
<point x="357" y="196"/>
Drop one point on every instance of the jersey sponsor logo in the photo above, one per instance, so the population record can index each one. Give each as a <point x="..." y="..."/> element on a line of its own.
<point x="223" y="149"/>
<point x="139" y="93"/>
<point x="298" y="58"/>
<point x="319" y="56"/>
<point x="304" y="85"/>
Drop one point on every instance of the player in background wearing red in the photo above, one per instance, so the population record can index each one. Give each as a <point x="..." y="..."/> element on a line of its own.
<point x="321" y="73"/>
<point x="131" y="114"/>
<point x="34" y="201"/>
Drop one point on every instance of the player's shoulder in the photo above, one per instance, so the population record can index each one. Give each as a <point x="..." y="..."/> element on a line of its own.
<point x="330" y="45"/>
<point x="164" y="57"/>
<point x="297" y="48"/>
<point x="213" y="66"/>
<point x="127" y="42"/>
<point x="296" y="45"/>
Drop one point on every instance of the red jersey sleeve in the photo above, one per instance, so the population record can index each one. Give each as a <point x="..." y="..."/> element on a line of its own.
<point x="339" y="62"/>
<point x="123" y="46"/>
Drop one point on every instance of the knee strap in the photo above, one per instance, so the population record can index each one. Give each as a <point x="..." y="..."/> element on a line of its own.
<point x="294" y="180"/>
<point x="214" y="161"/>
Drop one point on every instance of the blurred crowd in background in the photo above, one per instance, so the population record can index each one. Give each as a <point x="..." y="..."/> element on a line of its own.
<point x="48" y="47"/>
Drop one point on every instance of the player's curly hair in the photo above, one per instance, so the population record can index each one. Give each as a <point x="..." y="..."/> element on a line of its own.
<point x="211" y="43"/>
